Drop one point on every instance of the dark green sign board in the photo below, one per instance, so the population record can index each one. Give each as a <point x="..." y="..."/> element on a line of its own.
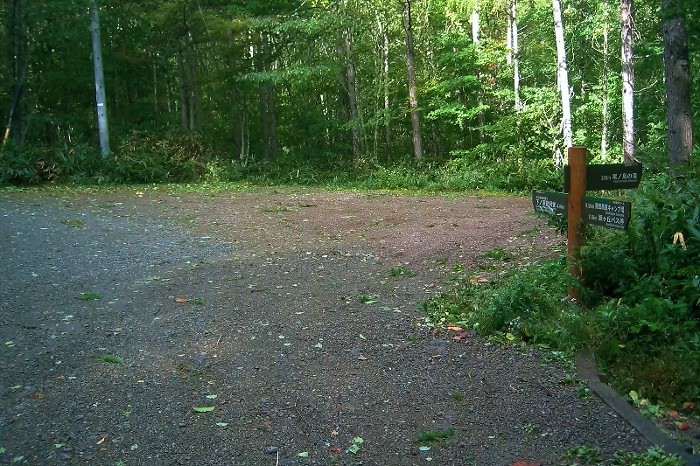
<point x="607" y="177"/>
<point x="607" y="213"/>
<point x="596" y="211"/>
<point x="549" y="203"/>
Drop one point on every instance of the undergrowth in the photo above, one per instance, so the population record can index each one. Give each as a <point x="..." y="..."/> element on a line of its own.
<point x="181" y="158"/>
<point x="641" y="298"/>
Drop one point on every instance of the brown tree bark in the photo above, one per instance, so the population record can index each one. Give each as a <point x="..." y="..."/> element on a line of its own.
<point x="412" y="84"/>
<point x="678" y="84"/>
<point x="351" y="84"/>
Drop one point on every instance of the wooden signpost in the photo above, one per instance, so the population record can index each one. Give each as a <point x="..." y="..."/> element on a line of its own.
<point x="581" y="210"/>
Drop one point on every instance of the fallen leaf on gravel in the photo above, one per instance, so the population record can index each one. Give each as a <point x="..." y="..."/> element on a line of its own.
<point x="454" y="328"/>
<point x="461" y="336"/>
<point x="182" y="300"/>
<point x="102" y="440"/>
<point x="203" y="409"/>
<point x="335" y="450"/>
<point x="356" y="446"/>
<point x="303" y="454"/>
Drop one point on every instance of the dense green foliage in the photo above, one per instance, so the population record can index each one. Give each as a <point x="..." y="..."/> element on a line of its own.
<point x="262" y="87"/>
<point x="642" y="292"/>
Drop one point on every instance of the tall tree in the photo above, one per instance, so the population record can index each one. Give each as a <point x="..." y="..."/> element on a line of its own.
<point x="412" y="81"/>
<point x="515" y="52"/>
<point x="100" y="93"/>
<point x="677" y="63"/>
<point x="605" y="79"/>
<point x="353" y="95"/>
<point x="475" y="21"/>
<point x="627" y="51"/>
<point x="16" y="33"/>
<point x="562" y="78"/>
<point x="385" y="82"/>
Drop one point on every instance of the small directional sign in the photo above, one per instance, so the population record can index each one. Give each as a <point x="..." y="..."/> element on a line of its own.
<point x="596" y="211"/>
<point x="607" y="213"/>
<point x="606" y="177"/>
<point x="549" y="203"/>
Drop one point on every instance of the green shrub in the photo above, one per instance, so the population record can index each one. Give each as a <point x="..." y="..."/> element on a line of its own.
<point x="526" y="304"/>
<point x="642" y="294"/>
<point x="143" y="158"/>
<point x="34" y="165"/>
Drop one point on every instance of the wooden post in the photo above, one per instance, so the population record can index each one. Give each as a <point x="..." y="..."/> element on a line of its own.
<point x="577" y="193"/>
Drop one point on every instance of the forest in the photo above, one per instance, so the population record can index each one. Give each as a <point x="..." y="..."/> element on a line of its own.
<point x="360" y="162"/>
<point x="436" y="94"/>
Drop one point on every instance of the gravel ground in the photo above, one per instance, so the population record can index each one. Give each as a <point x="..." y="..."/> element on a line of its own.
<point x="278" y="311"/>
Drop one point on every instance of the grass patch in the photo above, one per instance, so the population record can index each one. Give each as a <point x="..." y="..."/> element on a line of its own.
<point x="498" y="254"/>
<point x="90" y="296"/>
<point x="401" y="271"/>
<point x="74" y="223"/>
<point x="435" y="436"/>
<point x="367" y="299"/>
<point x="652" y="457"/>
<point x="110" y="359"/>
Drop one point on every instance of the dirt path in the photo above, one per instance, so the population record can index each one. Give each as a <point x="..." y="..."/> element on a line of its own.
<point x="279" y="311"/>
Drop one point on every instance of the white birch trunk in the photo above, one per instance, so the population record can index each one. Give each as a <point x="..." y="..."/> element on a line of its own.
<point x="562" y="78"/>
<point x="387" y="102"/>
<point x="627" y="52"/>
<point x="476" y="25"/>
<point x="100" y="93"/>
<point x="515" y="52"/>
<point x="606" y="85"/>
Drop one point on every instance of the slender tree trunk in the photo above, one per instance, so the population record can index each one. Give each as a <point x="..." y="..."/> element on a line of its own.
<point x="385" y="84"/>
<point x="269" y="114"/>
<point x="412" y="85"/>
<point x="678" y="84"/>
<point x="351" y="84"/>
<point x="476" y="24"/>
<point x="185" y="92"/>
<point x="563" y="79"/>
<point x="627" y="53"/>
<point x="474" y="19"/>
<point x="100" y="92"/>
<point x="606" y="86"/>
<point x="155" y="87"/>
<point x="515" y="47"/>
<point x="16" y="33"/>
